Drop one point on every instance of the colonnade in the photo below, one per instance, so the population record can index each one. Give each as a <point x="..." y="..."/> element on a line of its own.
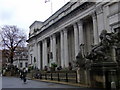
<point x="78" y="40"/>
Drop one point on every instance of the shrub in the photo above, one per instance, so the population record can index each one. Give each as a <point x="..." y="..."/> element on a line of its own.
<point x="53" y="65"/>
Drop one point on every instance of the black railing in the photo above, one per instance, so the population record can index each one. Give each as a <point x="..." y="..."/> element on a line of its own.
<point x="67" y="76"/>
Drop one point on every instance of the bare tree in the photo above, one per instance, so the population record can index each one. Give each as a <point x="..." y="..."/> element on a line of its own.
<point x="12" y="37"/>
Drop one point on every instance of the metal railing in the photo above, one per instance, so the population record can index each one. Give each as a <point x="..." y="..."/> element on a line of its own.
<point x="66" y="76"/>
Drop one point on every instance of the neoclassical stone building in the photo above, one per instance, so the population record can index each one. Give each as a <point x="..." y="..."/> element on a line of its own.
<point x="76" y="26"/>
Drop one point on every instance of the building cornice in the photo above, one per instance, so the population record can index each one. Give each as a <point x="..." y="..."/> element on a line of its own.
<point x="60" y="14"/>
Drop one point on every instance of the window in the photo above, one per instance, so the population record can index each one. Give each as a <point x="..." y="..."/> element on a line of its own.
<point x="34" y="59"/>
<point x="26" y="64"/>
<point x="21" y="65"/>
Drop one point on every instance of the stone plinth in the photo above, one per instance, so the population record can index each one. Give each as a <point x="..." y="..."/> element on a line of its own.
<point x="103" y="74"/>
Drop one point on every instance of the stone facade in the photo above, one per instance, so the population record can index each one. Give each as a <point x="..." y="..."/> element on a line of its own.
<point x="76" y="26"/>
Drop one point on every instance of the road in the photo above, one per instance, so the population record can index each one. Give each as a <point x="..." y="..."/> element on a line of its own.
<point x="12" y="82"/>
<point x="0" y="83"/>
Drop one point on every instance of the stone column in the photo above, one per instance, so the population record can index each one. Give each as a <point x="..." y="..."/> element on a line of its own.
<point x="76" y="39"/>
<point x="38" y="58"/>
<point x="81" y="38"/>
<point x="113" y="54"/>
<point x="100" y="19"/>
<point x="95" y="29"/>
<point x="62" y="49"/>
<point x="106" y="21"/>
<point x="44" y="53"/>
<point x="54" y="48"/>
<point x="35" y="55"/>
<point x="66" y="48"/>
<point x="51" y="44"/>
<point x="29" y="55"/>
<point x="51" y="50"/>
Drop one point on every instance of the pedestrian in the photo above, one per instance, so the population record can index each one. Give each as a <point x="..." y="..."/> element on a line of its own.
<point x="21" y="74"/>
<point x="24" y="76"/>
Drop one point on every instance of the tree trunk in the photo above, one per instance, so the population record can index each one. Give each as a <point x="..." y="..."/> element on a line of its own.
<point x="11" y="57"/>
<point x="11" y="60"/>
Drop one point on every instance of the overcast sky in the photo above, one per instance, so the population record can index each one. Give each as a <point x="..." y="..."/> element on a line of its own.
<point x="23" y="13"/>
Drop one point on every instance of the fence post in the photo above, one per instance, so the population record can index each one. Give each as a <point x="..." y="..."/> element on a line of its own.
<point x="40" y="75"/>
<point x="46" y="76"/>
<point x="51" y="76"/>
<point x="66" y="77"/>
<point x="76" y="77"/>
<point x="58" y="77"/>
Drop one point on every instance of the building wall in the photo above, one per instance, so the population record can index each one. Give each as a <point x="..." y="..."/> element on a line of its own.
<point x="20" y="56"/>
<point x="79" y="26"/>
<point x="18" y="62"/>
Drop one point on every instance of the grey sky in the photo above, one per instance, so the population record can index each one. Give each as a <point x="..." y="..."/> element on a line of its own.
<point x="23" y="13"/>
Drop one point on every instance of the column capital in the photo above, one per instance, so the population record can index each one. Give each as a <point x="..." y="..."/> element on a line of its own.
<point x="54" y="35"/>
<point x="51" y="37"/>
<point x="80" y="22"/>
<point x="44" y="40"/>
<point x="75" y="25"/>
<point x="65" y="30"/>
<point x="99" y="9"/>
<point x="38" y="43"/>
<point x="94" y="15"/>
<point x="61" y="31"/>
